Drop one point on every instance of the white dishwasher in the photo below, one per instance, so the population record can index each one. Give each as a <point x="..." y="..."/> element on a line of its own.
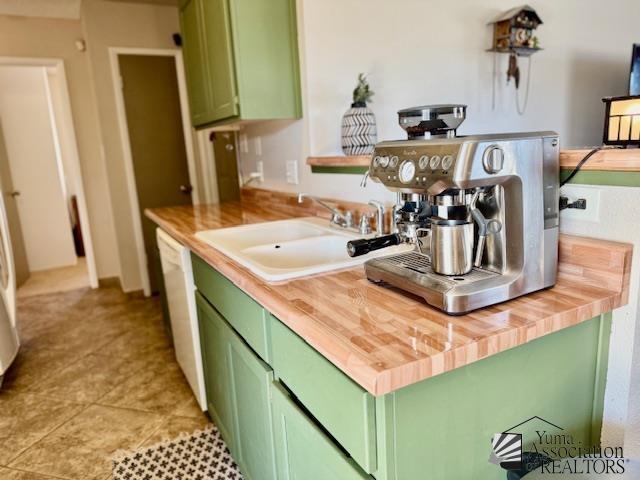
<point x="180" y="290"/>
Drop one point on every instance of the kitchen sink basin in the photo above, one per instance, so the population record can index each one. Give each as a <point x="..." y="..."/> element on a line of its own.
<point x="286" y="249"/>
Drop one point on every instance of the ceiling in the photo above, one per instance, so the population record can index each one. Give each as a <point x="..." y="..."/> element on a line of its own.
<point x="59" y="8"/>
<point x="41" y="8"/>
<point x="173" y="3"/>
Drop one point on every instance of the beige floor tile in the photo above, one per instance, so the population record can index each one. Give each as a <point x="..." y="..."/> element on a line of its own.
<point x="174" y="426"/>
<point x="56" y="280"/>
<point x="159" y="387"/>
<point x="34" y="365"/>
<point x="26" y="418"/>
<point x="89" y="378"/>
<point x="140" y="343"/>
<point x="189" y="408"/>
<point x="82" y="447"/>
<point x="9" y="474"/>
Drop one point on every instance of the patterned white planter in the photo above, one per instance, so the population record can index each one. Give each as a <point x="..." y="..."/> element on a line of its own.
<point x="359" y="133"/>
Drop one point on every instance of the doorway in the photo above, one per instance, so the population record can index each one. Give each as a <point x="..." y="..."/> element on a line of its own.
<point x="156" y="142"/>
<point x="39" y="168"/>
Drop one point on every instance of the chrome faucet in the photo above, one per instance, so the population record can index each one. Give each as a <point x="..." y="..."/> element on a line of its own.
<point x="338" y="217"/>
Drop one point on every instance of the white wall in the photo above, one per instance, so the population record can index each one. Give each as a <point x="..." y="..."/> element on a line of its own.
<point x="426" y="51"/>
<point x="34" y="165"/>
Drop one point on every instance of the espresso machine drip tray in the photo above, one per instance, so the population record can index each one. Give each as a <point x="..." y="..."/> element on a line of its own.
<point x="412" y="272"/>
<point x="422" y="265"/>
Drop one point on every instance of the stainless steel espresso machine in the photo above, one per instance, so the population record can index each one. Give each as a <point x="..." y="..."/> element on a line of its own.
<point x="481" y="210"/>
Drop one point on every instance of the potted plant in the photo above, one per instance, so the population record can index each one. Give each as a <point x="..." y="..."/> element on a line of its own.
<point x="359" y="123"/>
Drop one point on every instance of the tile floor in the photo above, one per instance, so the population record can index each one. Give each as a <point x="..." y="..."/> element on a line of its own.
<point x="95" y="374"/>
<point x="56" y="280"/>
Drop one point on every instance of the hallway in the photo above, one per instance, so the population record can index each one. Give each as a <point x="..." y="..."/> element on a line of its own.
<point x="95" y="374"/>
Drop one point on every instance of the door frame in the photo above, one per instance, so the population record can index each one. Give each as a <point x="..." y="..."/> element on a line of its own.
<point x="75" y="173"/>
<point x="134" y="203"/>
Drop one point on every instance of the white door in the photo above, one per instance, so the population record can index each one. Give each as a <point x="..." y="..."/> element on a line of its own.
<point x="35" y="168"/>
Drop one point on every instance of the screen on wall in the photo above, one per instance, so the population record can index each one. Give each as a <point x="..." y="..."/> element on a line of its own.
<point x="634" y="83"/>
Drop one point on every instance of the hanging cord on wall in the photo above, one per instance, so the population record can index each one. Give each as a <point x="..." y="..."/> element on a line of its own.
<point x="584" y="160"/>
<point x="580" y="164"/>
<point x="522" y="108"/>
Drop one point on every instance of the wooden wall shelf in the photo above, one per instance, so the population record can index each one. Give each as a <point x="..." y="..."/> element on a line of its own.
<point x="608" y="160"/>
<point x="340" y="161"/>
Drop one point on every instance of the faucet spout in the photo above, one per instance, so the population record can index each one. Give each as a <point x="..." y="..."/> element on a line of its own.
<point x="337" y="216"/>
<point x="379" y="216"/>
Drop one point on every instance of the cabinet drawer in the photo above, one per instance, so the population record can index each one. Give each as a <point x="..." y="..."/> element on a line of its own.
<point x="303" y="452"/>
<point x="243" y="313"/>
<point x="344" y="408"/>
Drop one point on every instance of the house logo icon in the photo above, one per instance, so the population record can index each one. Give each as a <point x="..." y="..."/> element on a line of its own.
<point x="506" y="447"/>
<point x="506" y="450"/>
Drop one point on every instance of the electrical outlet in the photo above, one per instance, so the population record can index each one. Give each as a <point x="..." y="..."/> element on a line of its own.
<point x="590" y="194"/>
<point x="257" y="145"/>
<point x="292" y="172"/>
<point x="260" y="170"/>
<point x="244" y="143"/>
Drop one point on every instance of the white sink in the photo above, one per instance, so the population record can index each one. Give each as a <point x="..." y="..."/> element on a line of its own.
<point x="286" y="249"/>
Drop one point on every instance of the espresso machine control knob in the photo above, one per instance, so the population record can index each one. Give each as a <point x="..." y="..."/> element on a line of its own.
<point x="393" y="161"/>
<point x="423" y="163"/>
<point x="493" y="159"/>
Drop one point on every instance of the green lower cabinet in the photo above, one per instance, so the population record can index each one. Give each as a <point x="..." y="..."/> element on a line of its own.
<point x="437" y="429"/>
<point x="214" y="340"/>
<point x="238" y="397"/>
<point x="441" y="428"/>
<point x="303" y="451"/>
<point x="251" y="381"/>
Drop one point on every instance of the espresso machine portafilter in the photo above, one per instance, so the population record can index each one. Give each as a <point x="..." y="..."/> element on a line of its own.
<point x="481" y="211"/>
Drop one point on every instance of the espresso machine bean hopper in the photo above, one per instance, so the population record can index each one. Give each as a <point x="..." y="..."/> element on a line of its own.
<point x="481" y="211"/>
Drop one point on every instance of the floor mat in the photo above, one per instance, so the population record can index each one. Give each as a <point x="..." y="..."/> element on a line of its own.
<point x="202" y="455"/>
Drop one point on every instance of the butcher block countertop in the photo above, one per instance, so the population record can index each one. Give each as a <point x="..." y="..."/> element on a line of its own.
<point x="385" y="339"/>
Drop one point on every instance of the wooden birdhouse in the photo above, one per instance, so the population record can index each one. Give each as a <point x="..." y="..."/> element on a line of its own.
<point x="514" y="31"/>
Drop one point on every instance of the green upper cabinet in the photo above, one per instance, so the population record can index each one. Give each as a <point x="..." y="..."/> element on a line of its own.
<point x="241" y="60"/>
<point x="196" y="65"/>
<point x="223" y="102"/>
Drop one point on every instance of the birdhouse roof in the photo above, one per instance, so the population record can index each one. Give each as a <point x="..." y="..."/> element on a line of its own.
<point x="515" y="12"/>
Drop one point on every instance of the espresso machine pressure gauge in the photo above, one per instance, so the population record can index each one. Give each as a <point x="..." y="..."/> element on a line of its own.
<point x="407" y="171"/>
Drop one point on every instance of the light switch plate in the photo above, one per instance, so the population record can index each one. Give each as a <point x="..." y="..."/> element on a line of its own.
<point x="590" y="194"/>
<point x="292" y="172"/>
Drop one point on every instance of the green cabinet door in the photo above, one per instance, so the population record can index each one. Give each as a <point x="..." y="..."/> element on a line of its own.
<point x="303" y="451"/>
<point x="251" y="381"/>
<point x="195" y="61"/>
<point x="214" y="340"/>
<point x="217" y="38"/>
<point x="265" y="43"/>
